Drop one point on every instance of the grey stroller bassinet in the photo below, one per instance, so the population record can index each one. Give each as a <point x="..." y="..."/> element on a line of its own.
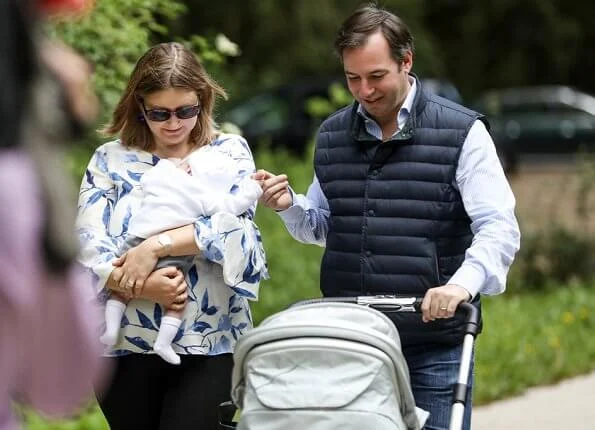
<point x="323" y="366"/>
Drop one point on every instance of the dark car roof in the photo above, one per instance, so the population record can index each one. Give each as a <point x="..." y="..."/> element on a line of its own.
<point x="497" y="100"/>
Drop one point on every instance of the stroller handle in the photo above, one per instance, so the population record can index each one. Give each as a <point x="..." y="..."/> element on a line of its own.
<point x="395" y="303"/>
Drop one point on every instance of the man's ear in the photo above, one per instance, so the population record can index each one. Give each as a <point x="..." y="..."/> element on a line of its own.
<point x="407" y="63"/>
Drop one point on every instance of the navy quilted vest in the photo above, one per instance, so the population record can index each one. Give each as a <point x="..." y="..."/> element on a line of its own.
<point x="398" y="224"/>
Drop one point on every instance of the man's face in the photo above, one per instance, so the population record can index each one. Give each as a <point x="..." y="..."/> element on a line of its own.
<point x="375" y="79"/>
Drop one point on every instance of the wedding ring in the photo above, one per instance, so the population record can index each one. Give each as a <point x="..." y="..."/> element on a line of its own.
<point x="443" y="308"/>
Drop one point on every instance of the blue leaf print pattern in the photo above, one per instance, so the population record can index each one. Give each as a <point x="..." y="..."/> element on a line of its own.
<point x="125" y="222"/>
<point x="106" y="215"/>
<point x="95" y="198"/>
<point x="126" y="188"/>
<point x="213" y="252"/>
<point x="200" y="326"/>
<point x="224" y="323"/>
<point x="243" y="292"/>
<point x="101" y="161"/>
<point x="193" y="276"/>
<point x="124" y="322"/>
<point x="222" y="346"/>
<point x="180" y="332"/>
<point x="115" y="177"/>
<point x="204" y="306"/>
<point x="145" y="321"/>
<point x="103" y="249"/>
<point x="134" y="175"/>
<point x="89" y="178"/>
<point x="157" y="313"/>
<point x="139" y="342"/>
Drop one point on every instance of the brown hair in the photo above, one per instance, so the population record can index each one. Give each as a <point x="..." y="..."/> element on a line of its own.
<point x="164" y="66"/>
<point x="369" y="19"/>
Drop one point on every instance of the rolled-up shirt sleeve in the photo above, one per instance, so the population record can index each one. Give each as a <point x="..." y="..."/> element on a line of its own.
<point x="490" y="203"/>
<point x="307" y="219"/>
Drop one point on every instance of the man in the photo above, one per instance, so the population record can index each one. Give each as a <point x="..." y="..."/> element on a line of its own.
<point x="408" y="197"/>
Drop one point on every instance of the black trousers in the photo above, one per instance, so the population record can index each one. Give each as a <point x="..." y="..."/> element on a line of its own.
<point x="147" y="393"/>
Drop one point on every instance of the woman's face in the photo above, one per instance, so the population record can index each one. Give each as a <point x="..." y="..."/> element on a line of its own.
<point x="172" y="135"/>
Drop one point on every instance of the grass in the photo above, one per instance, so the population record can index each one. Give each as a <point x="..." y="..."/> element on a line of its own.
<point x="534" y="339"/>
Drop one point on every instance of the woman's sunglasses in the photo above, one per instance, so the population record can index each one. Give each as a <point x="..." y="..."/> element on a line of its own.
<point x="160" y="115"/>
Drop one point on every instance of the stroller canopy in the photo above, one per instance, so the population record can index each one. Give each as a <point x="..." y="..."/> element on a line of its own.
<point x="324" y="356"/>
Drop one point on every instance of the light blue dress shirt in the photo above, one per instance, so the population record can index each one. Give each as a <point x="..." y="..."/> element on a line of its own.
<point x="486" y="194"/>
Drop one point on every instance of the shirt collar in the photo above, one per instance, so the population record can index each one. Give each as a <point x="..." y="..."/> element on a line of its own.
<point x="405" y="109"/>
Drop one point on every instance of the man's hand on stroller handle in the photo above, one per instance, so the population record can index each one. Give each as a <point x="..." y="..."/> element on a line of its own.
<point x="442" y="302"/>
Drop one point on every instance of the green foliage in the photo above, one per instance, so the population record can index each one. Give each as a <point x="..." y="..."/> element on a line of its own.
<point x="283" y="41"/>
<point x="113" y="36"/>
<point x="294" y="267"/>
<point x="321" y="107"/>
<point x="531" y="339"/>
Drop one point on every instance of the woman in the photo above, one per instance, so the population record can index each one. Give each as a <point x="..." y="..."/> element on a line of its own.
<point x="165" y="112"/>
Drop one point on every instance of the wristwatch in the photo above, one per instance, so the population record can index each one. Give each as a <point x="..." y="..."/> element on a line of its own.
<point x="166" y="243"/>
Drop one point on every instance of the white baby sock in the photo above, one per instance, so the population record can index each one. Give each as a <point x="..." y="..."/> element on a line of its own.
<point x="114" y="310"/>
<point x="167" y="332"/>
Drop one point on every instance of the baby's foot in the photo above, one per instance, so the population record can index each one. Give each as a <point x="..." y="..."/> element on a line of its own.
<point x="167" y="353"/>
<point x="109" y="338"/>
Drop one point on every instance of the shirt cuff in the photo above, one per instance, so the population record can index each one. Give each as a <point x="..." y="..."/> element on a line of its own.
<point x="294" y="212"/>
<point x="101" y="273"/>
<point x="470" y="278"/>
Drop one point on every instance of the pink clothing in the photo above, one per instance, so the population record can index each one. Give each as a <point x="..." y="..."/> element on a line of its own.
<point x="49" y="348"/>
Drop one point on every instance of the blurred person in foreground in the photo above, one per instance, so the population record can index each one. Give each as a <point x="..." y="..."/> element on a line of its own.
<point x="408" y="198"/>
<point x="166" y="112"/>
<point x="49" y="358"/>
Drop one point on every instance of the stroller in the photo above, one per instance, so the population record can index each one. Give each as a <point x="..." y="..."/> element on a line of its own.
<point x="333" y="363"/>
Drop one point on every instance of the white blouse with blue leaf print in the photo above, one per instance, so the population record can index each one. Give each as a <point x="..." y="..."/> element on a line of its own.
<point x="227" y="272"/>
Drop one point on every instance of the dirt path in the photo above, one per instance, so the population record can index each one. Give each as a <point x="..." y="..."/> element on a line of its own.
<point x="567" y="405"/>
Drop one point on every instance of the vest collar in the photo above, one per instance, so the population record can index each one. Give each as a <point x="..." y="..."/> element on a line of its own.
<point x="358" y="127"/>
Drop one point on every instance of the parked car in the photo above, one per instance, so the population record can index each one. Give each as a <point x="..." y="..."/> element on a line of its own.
<point x="279" y="116"/>
<point x="539" y="123"/>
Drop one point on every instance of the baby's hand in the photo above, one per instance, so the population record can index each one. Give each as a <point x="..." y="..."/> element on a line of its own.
<point x="260" y="176"/>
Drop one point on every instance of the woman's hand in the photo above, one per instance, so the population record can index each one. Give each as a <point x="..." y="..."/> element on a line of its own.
<point x="167" y="287"/>
<point x="136" y="265"/>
